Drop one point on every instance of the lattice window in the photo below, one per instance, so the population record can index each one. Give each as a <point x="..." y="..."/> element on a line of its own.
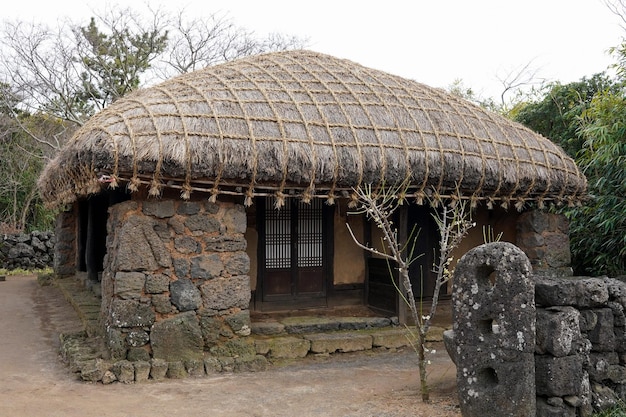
<point x="300" y="222"/>
<point x="310" y="234"/>
<point x="277" y="236"/>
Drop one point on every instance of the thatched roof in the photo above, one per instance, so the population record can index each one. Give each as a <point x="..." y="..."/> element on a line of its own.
<point x="306" y="124"/>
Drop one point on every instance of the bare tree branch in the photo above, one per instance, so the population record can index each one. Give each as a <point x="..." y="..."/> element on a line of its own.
<point x="618" y="8"/>
<point x="196" y="43"/>
<point x="54" y="78"/>
<point x="517" y="79"/>
<point x="453" y="223"/>
<point x="38" y="65"/>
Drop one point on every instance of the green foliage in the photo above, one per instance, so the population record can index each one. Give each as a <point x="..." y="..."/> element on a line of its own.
<point x="588" y="119"/>
<point x="557" y="114"/>
<point x="461" y="90"/>
<point x="114" y="62"/>
<point x="598" y="229"/>
<point x="8" y="102"/>
<point x="21" y="208"/>
<point x="19" y="271"/>
<point x="619" y="52"/>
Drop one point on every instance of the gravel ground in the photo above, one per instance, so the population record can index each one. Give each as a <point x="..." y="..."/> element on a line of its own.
<point x="36" y="383"/>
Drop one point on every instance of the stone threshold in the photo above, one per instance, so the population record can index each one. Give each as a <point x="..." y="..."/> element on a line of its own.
<point x="274" y="341"/>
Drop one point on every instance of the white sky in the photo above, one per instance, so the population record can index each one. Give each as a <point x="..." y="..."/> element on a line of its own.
<point x="430" y="41"/>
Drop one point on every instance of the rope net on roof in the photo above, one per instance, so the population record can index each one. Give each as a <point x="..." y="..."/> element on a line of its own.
<point x="307" y="124"/>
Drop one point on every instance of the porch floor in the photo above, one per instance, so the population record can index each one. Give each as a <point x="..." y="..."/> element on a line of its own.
<point x="283" y="335"/>
<point x="443" y="317"/>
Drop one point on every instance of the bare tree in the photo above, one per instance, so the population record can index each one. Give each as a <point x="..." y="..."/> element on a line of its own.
<point x="453" y="223"/>
<point x="618" y="8"/>
<point x="518" y="82"/>
<point x="459" y="89"/>
<point x="75" y="70"/>
<point x="204" y="41"/>
<point x="38" y="77"/>
<point x="19" y="167"/>
<point x="519" y="85"/>
<point x="52" y="79"/>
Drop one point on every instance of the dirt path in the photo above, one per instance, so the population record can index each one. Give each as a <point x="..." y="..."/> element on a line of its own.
<point x="33" y="381"/>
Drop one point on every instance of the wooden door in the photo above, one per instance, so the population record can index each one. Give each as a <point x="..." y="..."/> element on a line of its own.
<point x="292" y="268"/>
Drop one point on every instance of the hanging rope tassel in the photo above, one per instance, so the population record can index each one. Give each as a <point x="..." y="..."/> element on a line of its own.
<point x="280" y="200"/>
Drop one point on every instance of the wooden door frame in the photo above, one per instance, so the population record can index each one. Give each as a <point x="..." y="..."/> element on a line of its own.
<point x="295" y="302"/>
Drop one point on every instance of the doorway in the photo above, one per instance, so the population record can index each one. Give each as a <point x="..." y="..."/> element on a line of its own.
<point x="382" y="278"/>
<point x="294" y="254"/>
<point x="92" y="232"/>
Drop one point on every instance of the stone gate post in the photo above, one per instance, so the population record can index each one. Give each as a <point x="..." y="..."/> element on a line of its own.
<point x="494" y="332"/>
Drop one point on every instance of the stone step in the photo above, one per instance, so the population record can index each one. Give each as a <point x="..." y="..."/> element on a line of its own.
<point x="85" y="303"/>
<point x="309" y="324"/>
<point x="391" y="338"/>
<point x="299" y="346"/>
<point x="288" y="338"/>
<point x="267" y="328"/>
<point x="339" y="342"/>
<point x="286" y="347"/>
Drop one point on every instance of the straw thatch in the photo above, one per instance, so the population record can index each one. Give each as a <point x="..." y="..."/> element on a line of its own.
<point x="310" y="125"/>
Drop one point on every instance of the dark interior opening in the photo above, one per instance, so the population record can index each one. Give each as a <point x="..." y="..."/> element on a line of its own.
<point x="382" y="282"/>
<point x="486" y="276"/>
<point x="92" y="230"/>
<point x="489" y="326"/>
<point x="423" y="228"/>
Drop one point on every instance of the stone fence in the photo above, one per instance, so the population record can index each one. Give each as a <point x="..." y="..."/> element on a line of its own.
<point x="27" y="251"/>
<point x="573" y="328"/>
<point x="580" y="356"/>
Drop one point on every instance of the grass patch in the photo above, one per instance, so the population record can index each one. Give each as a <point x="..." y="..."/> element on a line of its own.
<point x="20" y="271"/>
<point x="617" y="411"/>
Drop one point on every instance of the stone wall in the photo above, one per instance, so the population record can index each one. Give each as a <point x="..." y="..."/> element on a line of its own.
<point x="175" y="285"/>
<point x="580" y="355"/>
<point x="544" y="238"/>
<point x="579" y="347"/>
<point x="27" y="251"/>
<point x="66" y="243"/>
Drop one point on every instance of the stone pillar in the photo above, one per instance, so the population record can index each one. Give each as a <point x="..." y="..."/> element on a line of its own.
<point x="494" y="332"/>
<point x="544" y="238"/>
<point x="65" y="243"/>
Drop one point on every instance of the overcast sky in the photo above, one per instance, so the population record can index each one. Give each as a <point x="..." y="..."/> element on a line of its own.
<point x="430" y="41"/>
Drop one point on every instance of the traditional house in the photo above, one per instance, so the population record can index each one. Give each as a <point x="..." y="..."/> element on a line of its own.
<point x="228" y="189"/>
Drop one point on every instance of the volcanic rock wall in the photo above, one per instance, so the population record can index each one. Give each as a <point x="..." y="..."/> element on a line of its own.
<point x="579" y="346"/>
<point x="175" y="285"/>
<point x="27" y="250"/>
<point x="580" y="357"/>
